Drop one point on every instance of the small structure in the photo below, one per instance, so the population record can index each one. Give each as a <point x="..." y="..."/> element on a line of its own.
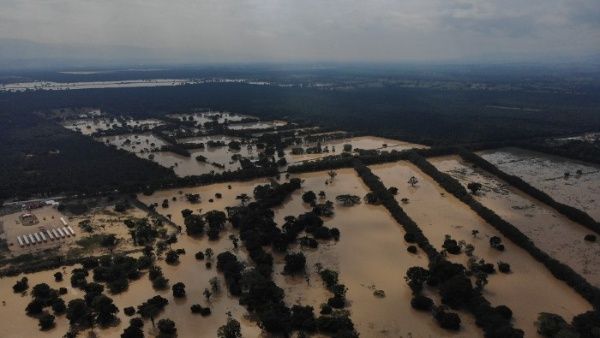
<point x="62" y="234"/>
<point x="21" y="243"/>
<point x="56" y="234"/>
<point x="66" y="231"/>
<point x="71" y="230"/>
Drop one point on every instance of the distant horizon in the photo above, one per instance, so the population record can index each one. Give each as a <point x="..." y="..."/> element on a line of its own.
<point x="45" y="34"/>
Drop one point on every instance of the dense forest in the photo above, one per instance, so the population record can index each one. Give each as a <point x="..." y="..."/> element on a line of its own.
<point x="39" y="157"/>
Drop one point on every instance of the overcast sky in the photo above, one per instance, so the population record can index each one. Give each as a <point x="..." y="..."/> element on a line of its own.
<point x="315" y="30"/>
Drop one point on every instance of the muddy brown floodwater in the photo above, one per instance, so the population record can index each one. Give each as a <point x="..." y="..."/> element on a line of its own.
<point x="549" y="230"/>
<point x="371" y="254"/>
<point x="439" y="213"/>
<point x="580" y="189"/>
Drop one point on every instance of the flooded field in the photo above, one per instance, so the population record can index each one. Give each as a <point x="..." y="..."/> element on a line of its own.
<point x="549" y="230"/>
<point x="202" y="118"/>
<point x="580" y="188"/>
<point x="257" y="125"/>
<point x="217" y="157"/>
<point x="360" y="227"/>
<point x="371" y="254"/>
<point x="336" y="147"/>
<point x="438" y="213"/>
<point x="143" y="145"/>
<point x="90" y="126"/>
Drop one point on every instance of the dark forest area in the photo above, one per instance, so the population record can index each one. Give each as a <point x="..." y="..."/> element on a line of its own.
<point x="40" y="156"/>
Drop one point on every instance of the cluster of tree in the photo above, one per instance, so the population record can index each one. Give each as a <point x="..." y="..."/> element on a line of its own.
<point x="157" y="277"/>
<point x="572" y="213"/>
<point x="42" y="297"/>
<point x="558" y="269"/>
<point x="456" y="291"/>
<point x="585" y="325"/>
<point x="152" y="308"/>
<point x="116" y="271"/>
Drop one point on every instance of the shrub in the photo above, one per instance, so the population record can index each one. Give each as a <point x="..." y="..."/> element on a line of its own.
<point x="412" y="249"/>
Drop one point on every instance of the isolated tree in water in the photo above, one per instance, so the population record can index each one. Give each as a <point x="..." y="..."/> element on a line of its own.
<point x="413" y="181"/>
<point x="348" y="200"/>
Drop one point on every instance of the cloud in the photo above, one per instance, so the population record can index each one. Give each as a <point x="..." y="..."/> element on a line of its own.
<point x="291" y="30"/>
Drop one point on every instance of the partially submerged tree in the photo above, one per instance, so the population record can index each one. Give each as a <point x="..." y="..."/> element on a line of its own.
<point x="348" y="200"/>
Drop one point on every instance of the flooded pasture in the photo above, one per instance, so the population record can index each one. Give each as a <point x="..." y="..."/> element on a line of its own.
<point x="257" y="125"/>
<point x="370" y="255"/>
<point x="570" y="182"/>
<point x="90" y="126"/>
<point x="552" y="232"/>
<point x="336" y="147"/>
<point x="201" y="118"/>
<point x="439" y="213"/>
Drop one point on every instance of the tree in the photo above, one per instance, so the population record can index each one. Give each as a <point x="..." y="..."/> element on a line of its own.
<point x="172" y="257"/>
<point x="152" y="307"/>
<point x="244" y="198"/>
<point x="587" y="324"/>
<point x="549" y="324"/>
<point x="58" y="277"/>
<point x="178" y="290"/>
<point x="167" y="327"/>
<point x="332" y="174"/>
<point x="194" y="225"/>
<point x="474" y="187"/>
<point x="46" y="322"/>
<point x="309" y="197"/>
<point x="192" y="198"/>
<point x="21" y="285"/>
<point x="421" y="303"/>
<point x="109" y="241"/>
<point x="216" y="223"/>
<point x="232" y="329"/>
<point x="294" y="263"/>
<point x="348" y="200"/>
<point x="59" y="306"/>
<point x="413" y="181"/>
<point x="78" y="313"/>
<point x="207" y="294"/>
<point x="132" y="332"/>
<point x="104" y="310"/>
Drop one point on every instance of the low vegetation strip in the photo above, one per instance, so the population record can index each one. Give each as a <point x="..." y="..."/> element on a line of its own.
<point x="570" y="212"/>
<point x="487" y="317"/>
<point x="559" y="270"/>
